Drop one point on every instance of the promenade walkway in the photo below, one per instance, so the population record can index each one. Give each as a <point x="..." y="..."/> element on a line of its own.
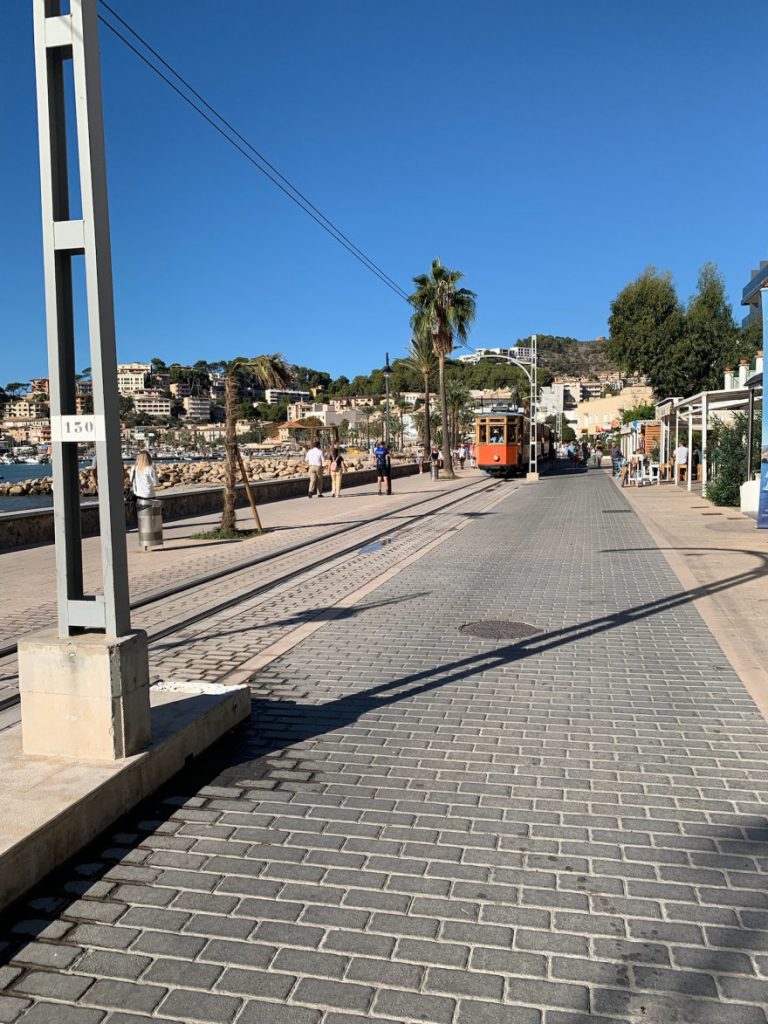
<point x="422" y="825"/>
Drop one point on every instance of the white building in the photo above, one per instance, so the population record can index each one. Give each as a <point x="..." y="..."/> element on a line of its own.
<point x="197" y="408"/>
<point x="272" y="396"/>
<point x="325" y="412"/>
<point x="151" y="404"/>
<point x="132" y="378"/>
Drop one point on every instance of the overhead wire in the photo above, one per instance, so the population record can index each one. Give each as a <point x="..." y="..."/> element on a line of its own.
<point x="246" y="148"/>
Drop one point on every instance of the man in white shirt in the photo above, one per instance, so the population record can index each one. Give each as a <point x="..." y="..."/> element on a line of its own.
<point x="314" y="460"/>
<point x="681" y="460"/>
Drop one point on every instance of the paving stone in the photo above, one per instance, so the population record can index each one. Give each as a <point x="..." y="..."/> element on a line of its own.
<point x="45" y="954"/>
<point x="246" y="954"/>
<point x="8" y="975"/>
<point x="409" y="1006"/>
<point x="302" y="961"/>
<point x="266" y="984"/>
<point x="200" y="1006"/>
<point x="166" y="944"/>
<point x="490" y="1013"/>
<point x="256" y="1012"/>
<point x="53" y="985"/>
<point x="11" y="1008"/>
<point x="112" y="964"/>
<point x="182" y="974"/>
<point x="58" y="1013"/>
<point x="340" y="994"/>
<point x="124" y="995"/>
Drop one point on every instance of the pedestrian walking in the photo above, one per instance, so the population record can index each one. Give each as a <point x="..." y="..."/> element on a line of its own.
<point x="462" y="455"/>
<point x="383" y="465"/>
<point x="337" y="467"/>
<point x="314" y="460"/>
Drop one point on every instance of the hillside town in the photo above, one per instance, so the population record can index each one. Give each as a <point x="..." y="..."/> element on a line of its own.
<point x="182" y="407"/>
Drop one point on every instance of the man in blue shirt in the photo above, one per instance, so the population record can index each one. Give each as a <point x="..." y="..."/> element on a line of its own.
<point x="381" y="455"/>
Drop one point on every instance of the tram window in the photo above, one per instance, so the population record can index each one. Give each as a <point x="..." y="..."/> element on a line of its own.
<point x="482" y="432"/>
<point x="497" y="433"/>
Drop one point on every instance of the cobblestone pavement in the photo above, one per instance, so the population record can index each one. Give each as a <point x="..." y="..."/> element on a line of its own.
<point x="228" y="637"/>
<point x="422" y="826"/>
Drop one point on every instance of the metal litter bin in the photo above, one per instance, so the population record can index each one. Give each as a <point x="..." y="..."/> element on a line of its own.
<point x="435" y="471"/>
<point x="149" y="517"/>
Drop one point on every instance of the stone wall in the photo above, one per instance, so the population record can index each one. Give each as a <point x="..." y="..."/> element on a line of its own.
<point x="35" y="526"/>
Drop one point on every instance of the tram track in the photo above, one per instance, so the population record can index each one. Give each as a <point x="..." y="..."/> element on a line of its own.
<point x="408" y="515"/>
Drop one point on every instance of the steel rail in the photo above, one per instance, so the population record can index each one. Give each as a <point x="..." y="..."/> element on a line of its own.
<point x="232" y="602"/>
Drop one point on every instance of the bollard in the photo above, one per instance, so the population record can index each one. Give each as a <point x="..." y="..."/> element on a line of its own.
<point x="149" y="517"/>
<point x="435" y="470"/>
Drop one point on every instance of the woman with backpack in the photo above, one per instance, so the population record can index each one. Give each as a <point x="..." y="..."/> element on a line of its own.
<point x="338" y="465"/>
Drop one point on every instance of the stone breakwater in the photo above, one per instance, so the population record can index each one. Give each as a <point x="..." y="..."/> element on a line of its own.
<point x="181" y="474"/>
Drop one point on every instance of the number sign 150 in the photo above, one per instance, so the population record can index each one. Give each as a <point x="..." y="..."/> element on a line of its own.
<point x="83" y="429"/>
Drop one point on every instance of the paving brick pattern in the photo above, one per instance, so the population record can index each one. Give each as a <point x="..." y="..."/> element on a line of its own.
<point x="419" y="826"/>
<point x="232" y="636"/>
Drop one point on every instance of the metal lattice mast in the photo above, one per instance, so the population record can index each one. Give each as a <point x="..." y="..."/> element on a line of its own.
<point x="59" y="39"/>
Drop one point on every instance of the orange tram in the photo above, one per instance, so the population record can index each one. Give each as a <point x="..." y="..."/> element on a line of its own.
<point x="502" y="442"/>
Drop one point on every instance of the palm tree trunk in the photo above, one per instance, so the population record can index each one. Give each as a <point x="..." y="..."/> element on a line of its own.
<point x="447" y="463"/>
<point x="228" y="520"/>
<point x="427" y="424"/>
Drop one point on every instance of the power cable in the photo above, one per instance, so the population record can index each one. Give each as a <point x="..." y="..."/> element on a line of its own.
<point x="269" y="171"/>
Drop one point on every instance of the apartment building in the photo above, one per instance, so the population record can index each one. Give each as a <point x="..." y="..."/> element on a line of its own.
<point x="340" y="404"/>
<point x="323" y="411"/>
<point x="197" y="408"/>
<point x="273" y="396"/>
<point x="28" y="407"/>
<point x="40" y="386"/>
<point x="132" y="378"/>
<point x="28" y="431"/>
<point x="151" y="404"/>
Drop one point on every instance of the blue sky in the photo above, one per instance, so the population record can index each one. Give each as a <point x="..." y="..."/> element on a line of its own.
<point x="549" y="151"/>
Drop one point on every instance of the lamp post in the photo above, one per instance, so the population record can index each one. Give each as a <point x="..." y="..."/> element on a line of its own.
<point x="387" y="374"/>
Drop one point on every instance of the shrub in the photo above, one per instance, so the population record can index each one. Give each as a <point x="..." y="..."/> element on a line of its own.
<point x="727" y="454"/>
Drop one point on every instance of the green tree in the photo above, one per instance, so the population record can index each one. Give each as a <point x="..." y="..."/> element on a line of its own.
<point x="271" y="371"/>
<point x="646" y="327"/>
<point x="423" y="359"/>
<point x="14" y="387"/>
<point x="445" y="312"/>
<point x="639" y="412"/>
<point x="710" y="334"/>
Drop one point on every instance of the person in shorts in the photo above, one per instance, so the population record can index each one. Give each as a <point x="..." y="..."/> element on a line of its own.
<point x="381" y="457"/>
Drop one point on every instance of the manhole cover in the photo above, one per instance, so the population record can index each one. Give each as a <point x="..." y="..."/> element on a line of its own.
<point x="499" y="629"/>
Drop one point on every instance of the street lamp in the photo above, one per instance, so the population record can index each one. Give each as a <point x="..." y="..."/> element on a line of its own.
<point x="387" y="371"/>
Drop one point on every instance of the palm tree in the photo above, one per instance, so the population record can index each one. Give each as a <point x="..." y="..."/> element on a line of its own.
<point x="271" y="372"/>
<point x="366" y="411"/>
<point x="445" y="312"/>
<point x="422" y="358"/>
<point x="457" y="400"/>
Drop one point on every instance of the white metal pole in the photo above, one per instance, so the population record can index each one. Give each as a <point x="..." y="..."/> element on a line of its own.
<point x="704" y="417"/>
<point x="689" y="474"/>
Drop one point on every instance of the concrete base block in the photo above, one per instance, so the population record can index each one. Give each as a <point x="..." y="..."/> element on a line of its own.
<point x="749" y="496"/>
<point x="531" y="478"/>
<point x="51" y="807"/>
<point x="85" y="697"/>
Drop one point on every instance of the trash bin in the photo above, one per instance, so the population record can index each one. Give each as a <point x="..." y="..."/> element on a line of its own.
<point x="149" y="517"/>
<point x="435" y="470"/>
